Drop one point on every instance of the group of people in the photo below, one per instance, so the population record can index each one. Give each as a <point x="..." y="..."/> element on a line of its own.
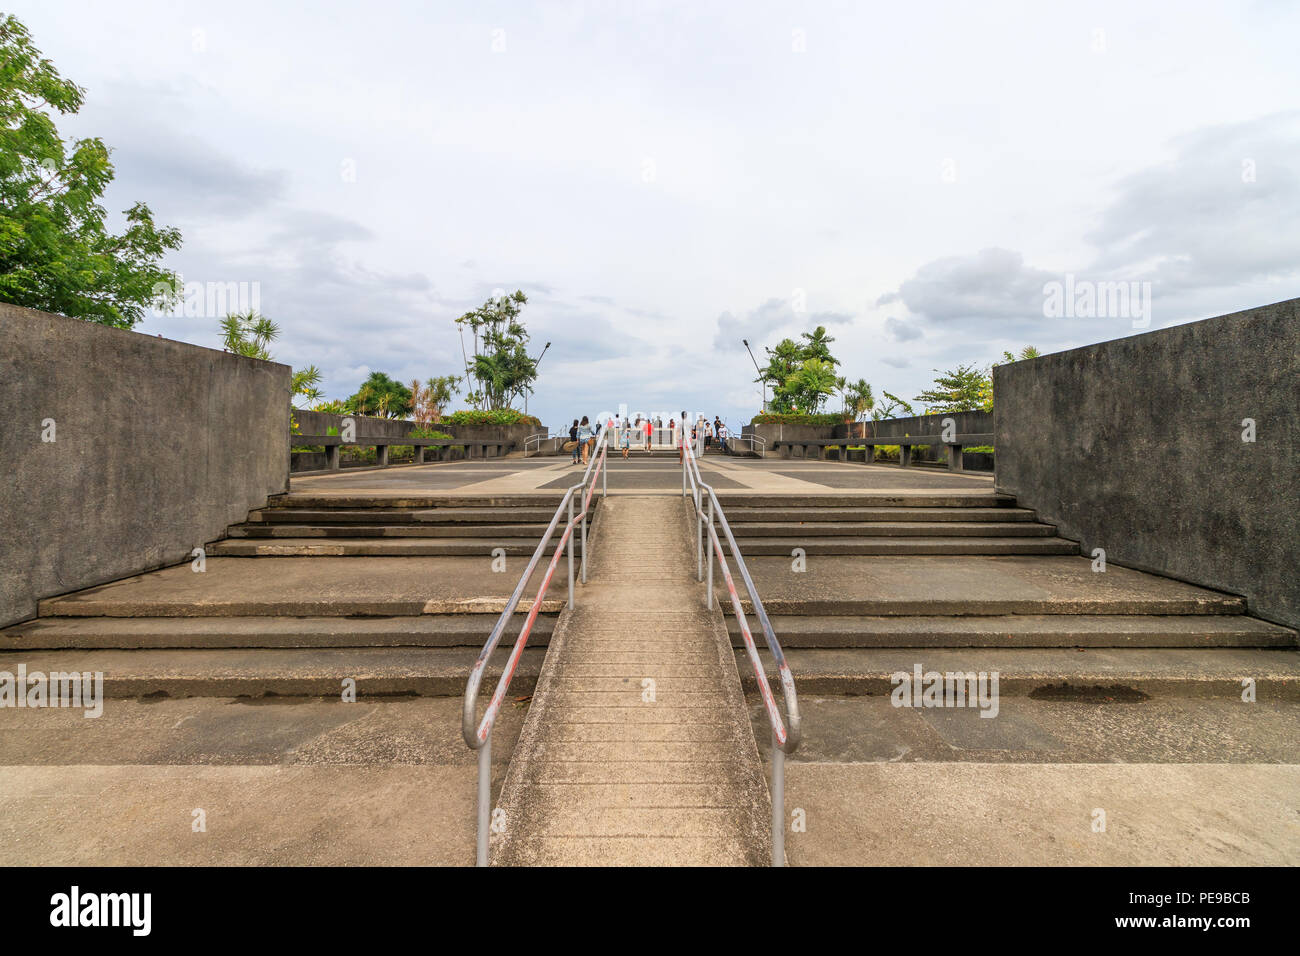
<point x="640" y="433"/>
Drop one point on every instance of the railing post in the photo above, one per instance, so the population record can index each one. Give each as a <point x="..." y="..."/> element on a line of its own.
<point x="708" y="586"/>
<point x="778" y="803"/>
<point x="583" y="559"/>
<point x="699" y="540"/>
<point x="955" y="462"/>
<point x="484" y="800"/>
<point x="570" y="552"/>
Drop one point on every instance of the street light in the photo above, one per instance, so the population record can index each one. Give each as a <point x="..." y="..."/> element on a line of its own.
<point x="535" y="364"/>
<point x="761" y="377"/>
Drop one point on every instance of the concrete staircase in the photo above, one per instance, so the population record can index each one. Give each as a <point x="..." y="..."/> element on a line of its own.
<point x="284" y="606"/>
<point x="890" y="524"/>
<point x="972" y="582"/>
<point x="447" y="527"/>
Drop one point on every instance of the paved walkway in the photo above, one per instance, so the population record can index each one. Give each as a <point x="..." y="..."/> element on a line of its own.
<point x="640" y="474"/>
<point x="637" y="747"/>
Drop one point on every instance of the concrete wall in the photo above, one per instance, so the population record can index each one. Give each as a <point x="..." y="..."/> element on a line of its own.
<point x="966" y="422"/>
<point x="159" y="446"/>
<point x="1135" y="446"/>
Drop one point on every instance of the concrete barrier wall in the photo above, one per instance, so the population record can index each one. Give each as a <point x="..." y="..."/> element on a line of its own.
<point x="158" y="447"/>
<point x="966" y="422"/>
<point x="1135" y="446"/>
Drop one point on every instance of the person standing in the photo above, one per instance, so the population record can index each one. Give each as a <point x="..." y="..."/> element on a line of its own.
<point x="573" y="437"/>
<point x="584" y="438"/>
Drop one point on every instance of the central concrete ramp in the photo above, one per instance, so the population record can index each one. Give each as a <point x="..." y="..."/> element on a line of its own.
<point x="637" y="748"/>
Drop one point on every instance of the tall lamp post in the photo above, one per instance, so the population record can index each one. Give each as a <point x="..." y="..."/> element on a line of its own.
<point x="535" y="364"/>
<point x="761" y="377"/>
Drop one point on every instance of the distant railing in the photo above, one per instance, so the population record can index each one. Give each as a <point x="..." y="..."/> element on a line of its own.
<point x="535" y="442"/>
<point x="757" y="444"/>
<point x="381" y="444"/>
<point x="480" y="737"/>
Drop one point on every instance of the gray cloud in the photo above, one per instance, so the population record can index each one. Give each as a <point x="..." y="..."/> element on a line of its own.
<point x="901" y="331"/>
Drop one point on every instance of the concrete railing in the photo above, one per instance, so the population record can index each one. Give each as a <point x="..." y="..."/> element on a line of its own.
<point x="953" y="445"/>
<point x="333" y="443"/>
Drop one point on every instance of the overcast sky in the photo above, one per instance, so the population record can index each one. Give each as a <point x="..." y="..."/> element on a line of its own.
<point x="665" y="179"/>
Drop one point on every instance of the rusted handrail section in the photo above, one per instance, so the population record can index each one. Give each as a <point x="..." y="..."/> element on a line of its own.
<point x="785" y="732"/>
<point x="480" y="737"/>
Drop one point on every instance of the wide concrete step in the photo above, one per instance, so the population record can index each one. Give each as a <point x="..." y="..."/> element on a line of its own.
<point x="887" y="545"/>
<point x="427" y="630"/>
<point x="353" y="501"/>
<point x="891" y="529"/>
<point x="1101" y="674"/>
<point x="932" y="585"/>
<point x="1012" y="630"/>
<point x="400" y="516"/>
<point x="316" y="587"/>
<point x="383" y="547"/>
<point x="259" y="672"/>
<point x="286" y="530"/>
<point x="738" y="516"/>
<point x="781" y="504"/>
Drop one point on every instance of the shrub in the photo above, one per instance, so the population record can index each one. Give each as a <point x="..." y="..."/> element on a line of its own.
<point x="797" y="418"/>
<point x="498" y="416"/>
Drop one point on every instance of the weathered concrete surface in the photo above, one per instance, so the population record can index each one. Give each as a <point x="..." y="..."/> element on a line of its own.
<point x="1042" y="815"/>
<point x="260" y="671"/>
<point x="312" y="586"/>
<point x="1054" y="672"/>
<point x="159" y="446"/>
<point x="974" y="585"/>
<point x="425" y="630"/>
<point x="1182" y="782"/>
<point x="1135" y="446"/>
<point x="1027" y="630"/>
<point x="604" y="776"/>
<point x="282" y="782"/>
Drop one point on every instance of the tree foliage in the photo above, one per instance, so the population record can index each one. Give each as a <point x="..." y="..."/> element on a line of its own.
<point x="802" y="375"/>
<point x="56" y="252"/>
<point x="962" y="389"/>
<point x="380" y="396"/>
<point x="429" y="400"/>
<point x="501" y="369"/>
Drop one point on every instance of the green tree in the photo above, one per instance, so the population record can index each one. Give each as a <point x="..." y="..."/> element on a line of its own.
<point x="858" y="399"/>
<point x="891" y="407"/>
<point x="810" y="385"/>
<point x="794" y="383"/>
<point x="250" y="334"/>
<point x="962" y="389"/>
<point x="501" y="368"/>
<point x="816" y="344"/>
<point x="382" y="396"/>
<point x="56" y="252"/>
<point x="430" y="400"/>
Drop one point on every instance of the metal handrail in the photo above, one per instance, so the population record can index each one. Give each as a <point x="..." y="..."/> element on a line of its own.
<point x="541" y="437"/>
<point x="785" y="733"/>
<point x="480" y="737"/>
<point x="751" y="438"/>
